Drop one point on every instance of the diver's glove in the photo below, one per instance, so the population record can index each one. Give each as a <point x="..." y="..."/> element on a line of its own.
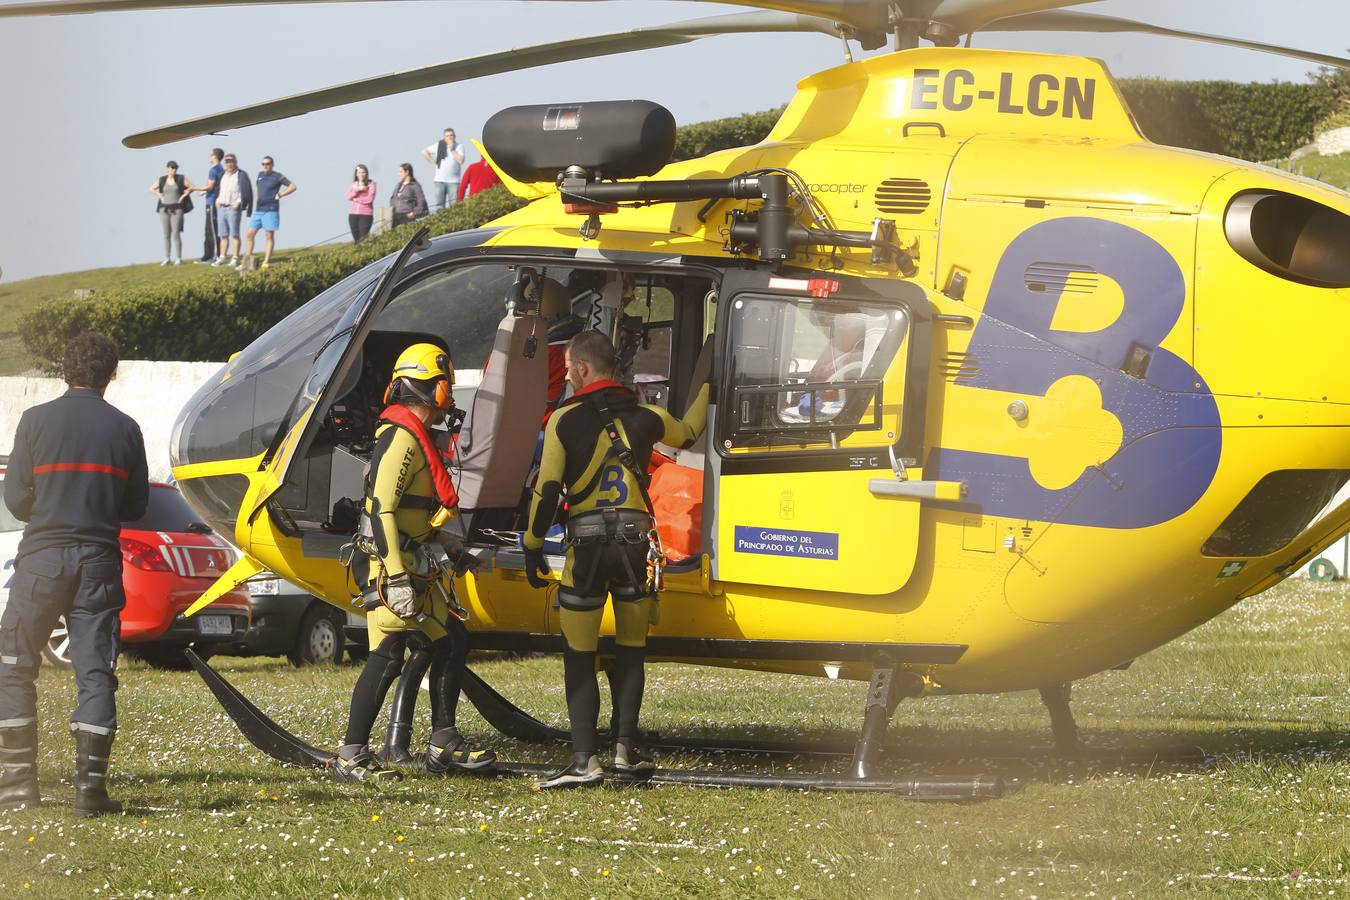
<point x="400" y="597"/>
<point x="536" y="567"/>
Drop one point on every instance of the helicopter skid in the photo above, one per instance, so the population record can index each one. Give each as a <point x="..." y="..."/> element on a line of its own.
<point x="286" y="748"/>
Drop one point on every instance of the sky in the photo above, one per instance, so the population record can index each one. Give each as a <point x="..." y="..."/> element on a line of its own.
<point x="71" y="87"/>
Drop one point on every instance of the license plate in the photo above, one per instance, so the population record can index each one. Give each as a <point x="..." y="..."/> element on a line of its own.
<point x="215" y="624"/>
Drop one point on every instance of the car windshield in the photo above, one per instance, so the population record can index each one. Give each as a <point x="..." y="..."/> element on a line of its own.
<point x="167" y="511"/>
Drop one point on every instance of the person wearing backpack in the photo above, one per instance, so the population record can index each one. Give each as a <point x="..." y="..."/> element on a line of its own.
<point x="173" y="191"/>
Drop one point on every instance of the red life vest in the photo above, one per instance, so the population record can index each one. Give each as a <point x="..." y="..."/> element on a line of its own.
<point x="404" y="418"/>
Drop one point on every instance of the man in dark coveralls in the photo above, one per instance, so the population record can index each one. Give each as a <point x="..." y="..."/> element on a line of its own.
<point x="76" y="473"/>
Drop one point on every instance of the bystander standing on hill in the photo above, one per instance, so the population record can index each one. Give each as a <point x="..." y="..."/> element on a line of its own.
<point x="235" y="199"/>
<point x="211" y="190"/>
<point x="478" y="177"/>
<point x="172" y="190"/>
<point x="272" y="186"/>
<point x="408" y="201"/>
<point x="448" y="158"/>
<point x="361" y="212"/>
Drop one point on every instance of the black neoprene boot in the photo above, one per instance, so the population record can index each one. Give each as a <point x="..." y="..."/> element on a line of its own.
<point x="18" y="756"/>
<point x="91" y="774"/>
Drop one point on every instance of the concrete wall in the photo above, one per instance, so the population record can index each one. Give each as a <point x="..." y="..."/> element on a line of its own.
<point x="152" y="393"/>
<point x="1337" y="140"/>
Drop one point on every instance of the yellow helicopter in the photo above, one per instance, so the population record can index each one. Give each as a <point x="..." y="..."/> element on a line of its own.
<point x="1004" y="395"/>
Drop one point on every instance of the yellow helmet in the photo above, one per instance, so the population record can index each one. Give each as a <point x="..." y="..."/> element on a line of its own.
<point x="426" y="363"/>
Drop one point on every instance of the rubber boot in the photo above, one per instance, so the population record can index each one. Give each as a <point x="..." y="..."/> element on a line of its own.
<point x="91" y="774"/>
<point x="18" y="756"/>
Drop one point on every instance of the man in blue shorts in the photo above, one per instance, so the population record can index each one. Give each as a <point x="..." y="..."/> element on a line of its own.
<point x="234" y="199"/>
<point x="272" y="186"/>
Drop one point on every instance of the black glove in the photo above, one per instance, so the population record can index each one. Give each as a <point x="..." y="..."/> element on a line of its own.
<point x="535" y="567"/>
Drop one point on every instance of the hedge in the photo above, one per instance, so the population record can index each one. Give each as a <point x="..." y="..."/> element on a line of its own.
<point x="210" y="318"/>
<point x="1246" y="121"/>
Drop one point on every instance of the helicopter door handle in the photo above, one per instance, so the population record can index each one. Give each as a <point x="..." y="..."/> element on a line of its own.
<point x="942" y="132"/>
<point x="917" y="490"/>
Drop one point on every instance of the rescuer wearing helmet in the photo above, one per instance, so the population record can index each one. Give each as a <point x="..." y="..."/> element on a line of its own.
<point x="596" y="450"/>
<point x="408" y="494"/>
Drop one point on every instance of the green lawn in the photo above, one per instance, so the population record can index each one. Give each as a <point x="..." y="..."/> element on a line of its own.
<point x="1335" y="170"/>
<point x="1265" y="688"/>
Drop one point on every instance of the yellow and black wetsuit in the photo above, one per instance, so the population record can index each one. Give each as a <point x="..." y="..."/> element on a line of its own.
<point x="607" y="525"/>
<point x="401" y="503"/>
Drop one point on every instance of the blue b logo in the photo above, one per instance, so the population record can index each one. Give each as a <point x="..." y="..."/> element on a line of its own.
<point x="1169" y="449"/>
<point x="611" y="480"/>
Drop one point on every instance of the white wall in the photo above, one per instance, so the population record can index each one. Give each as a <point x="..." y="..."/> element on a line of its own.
<point x="152" y="393"/>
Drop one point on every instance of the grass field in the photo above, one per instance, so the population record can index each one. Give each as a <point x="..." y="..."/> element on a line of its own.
<point x="1265" y="688"/>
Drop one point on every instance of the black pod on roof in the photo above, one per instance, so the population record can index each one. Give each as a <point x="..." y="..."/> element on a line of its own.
<point x="607" y="138"/>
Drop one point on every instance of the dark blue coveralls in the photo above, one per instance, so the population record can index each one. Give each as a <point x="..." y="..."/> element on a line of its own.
<point x="76" y="473"/>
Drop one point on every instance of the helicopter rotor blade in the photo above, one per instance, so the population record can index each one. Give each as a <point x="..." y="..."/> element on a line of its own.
<point x="1090" y="22"/>
<point x="479" y="66"/>
<point x="965" y="16"/>
<point x="862" y="14"/>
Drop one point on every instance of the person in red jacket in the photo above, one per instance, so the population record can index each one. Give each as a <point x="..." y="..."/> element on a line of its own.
<point x="478" y="178"/>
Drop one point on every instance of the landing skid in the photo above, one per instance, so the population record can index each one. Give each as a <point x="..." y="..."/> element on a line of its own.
<point x="281" y="745"/>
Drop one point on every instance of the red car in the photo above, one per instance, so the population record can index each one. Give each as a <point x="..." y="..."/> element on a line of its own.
<point x="169" y="557"/>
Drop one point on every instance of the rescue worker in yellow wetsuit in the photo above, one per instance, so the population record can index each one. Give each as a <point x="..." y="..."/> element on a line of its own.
<point x="408" y="492"/>
<point x="608" y="522"/>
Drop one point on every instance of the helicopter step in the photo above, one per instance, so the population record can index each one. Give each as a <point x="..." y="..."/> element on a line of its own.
<point x="286" y="748"/>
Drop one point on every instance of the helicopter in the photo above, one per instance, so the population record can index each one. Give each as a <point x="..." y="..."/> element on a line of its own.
<point x="1004" y="395"/>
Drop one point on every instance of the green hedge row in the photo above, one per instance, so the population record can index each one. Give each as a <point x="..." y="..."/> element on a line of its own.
<point x="1246" y="121"/>
<point x="210" y="318"/>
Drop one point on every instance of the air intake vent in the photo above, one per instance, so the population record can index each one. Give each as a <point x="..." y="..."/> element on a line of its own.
<point x="1061" y="278"/>
<point x="903" y="196"/>
<point x="957" y="366"/>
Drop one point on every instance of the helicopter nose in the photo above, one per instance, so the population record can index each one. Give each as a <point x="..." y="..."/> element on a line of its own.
<point x="211" y="431"/>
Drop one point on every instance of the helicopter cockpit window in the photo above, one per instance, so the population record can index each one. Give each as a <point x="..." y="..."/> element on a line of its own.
<point x="461" y="307"/>
<point x="813" y="375"/>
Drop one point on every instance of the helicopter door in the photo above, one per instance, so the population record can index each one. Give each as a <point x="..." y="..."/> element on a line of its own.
<point x="821" y="380"/>
<point x="336" y="362"/>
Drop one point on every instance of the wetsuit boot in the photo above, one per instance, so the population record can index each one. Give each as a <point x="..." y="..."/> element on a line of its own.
<point x="583" y="705"/>
<point x="18" y="767"/>
<point x="91" y="774"/>
<point x="355" y="762"/>
<point x="627" y="685"/>
<point x="585" y="771"/>
<point x="447" y="749"/>
<point x="398" y="734"/>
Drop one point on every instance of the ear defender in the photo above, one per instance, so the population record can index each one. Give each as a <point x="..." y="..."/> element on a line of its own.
<point x="442" y="395"/>
<point x="389" y="394"/>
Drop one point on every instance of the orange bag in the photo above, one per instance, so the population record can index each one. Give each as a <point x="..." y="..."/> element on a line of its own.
<point x="677" y="498"/>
